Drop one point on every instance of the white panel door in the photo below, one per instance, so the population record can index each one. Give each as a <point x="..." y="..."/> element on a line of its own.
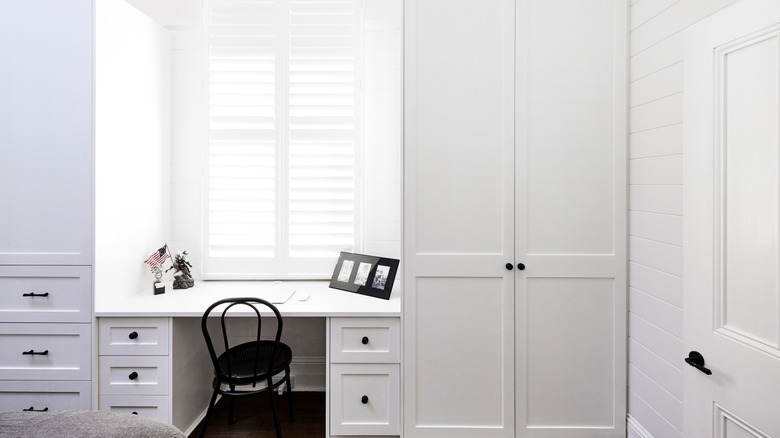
<point x="732" y="222"/>
<point x="46" y="133"/>
<point x="459" y="219"/>
<point x="570" y="219"/>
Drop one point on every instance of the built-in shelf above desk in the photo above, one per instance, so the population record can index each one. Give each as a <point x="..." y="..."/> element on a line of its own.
<point x="322" y="301"/>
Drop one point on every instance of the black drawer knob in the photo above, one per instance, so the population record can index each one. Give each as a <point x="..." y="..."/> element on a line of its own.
<point x="521" y="266"/>
<point x="509" y="266"/>
<point x="133" y="335"/>
<point x="364" y="399"/>
<point x="135" y="413"/>
<point x="364" y="340"/>
<point x="133" y="375"/>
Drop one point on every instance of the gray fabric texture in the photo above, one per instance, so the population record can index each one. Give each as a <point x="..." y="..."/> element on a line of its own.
<point x="82" y="424"/>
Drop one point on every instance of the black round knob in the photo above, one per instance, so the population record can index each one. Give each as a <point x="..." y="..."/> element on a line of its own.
<point x="364" y="340"/>
<point x="521" y="266"/>
<point x="509" y="266"/>
<point x="364" y="399"/>
<point x="135" y="413"/>
<point x="133" y="375"/>
<point x="133" y="335"/>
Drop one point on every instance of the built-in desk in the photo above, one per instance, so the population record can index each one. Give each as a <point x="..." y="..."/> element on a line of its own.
<point x="157" y="340"/>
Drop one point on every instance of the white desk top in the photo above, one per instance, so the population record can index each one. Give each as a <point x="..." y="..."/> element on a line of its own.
<point x="322" y="301"/>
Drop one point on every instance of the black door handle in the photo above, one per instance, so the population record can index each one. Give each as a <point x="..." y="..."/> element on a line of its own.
<point x="32" y="409"/>
<point x="33" y="294"/>
<point x="509" y="267"/>
<point x="36" y="353"/>
<point x="696" y="360"/>
<point x="521" y="266"/>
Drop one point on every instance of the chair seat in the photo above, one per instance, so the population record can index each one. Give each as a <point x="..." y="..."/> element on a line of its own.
<point x="242" y="362"/>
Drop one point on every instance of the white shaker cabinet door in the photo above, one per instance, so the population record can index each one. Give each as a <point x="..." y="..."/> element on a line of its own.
<point x="459" y="219"/>
<point x="46" y="101"/>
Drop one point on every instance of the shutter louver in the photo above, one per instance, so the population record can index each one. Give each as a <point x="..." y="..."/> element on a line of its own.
<point x="282" y="136"/>
<point x="242" y="132"/>
<point x="321" y="128"/>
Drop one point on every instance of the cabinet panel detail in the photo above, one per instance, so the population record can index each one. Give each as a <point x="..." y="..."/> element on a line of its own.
<point x="452" y="342"/>
<point x="39" y="395"/>
<point x="45" y="351"/>
<point x="570" y="357"/>
<point x="46" y="294"/>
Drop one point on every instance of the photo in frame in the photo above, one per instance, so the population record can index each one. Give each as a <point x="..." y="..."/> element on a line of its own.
<point x="365" y="274"/>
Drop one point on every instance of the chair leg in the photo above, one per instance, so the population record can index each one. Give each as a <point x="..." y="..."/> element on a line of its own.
<point x="232" y="405"/>
<point x="208" y="413"/>
<point x="289" y="395"/>
<point x="273" y="410"/>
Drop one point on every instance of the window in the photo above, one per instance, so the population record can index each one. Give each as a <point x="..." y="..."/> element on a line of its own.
<point x="283" y="137"/>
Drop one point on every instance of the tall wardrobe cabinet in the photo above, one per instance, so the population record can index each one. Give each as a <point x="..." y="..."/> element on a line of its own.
<point x="46" y="204"/>
<point x="514" y="218"/>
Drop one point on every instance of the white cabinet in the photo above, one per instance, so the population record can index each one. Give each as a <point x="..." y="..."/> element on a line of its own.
<point x="46" y="133"/>
<point x="364" y="377"/>
<point x="46" y="193"/>
<point x="514" y="221"/>
<point x="135" y="366"/>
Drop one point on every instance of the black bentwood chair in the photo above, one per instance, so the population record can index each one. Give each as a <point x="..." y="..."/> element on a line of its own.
<point x="249" y="363"/>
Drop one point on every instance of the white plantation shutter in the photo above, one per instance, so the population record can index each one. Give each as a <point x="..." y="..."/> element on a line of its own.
<point x="282" y="137"/>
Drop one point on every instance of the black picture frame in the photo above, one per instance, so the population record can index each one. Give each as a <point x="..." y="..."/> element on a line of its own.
<point x="365" y="274"/>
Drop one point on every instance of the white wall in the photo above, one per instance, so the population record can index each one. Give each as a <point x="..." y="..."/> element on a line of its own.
<point x="655" y="371"/>
<point x="132" y="148"/>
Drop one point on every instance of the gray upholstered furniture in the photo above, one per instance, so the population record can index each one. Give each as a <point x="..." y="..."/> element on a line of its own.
<point x="82" y="424"/>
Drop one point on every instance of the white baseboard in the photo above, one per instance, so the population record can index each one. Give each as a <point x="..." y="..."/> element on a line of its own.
<point x="635" y="430"/>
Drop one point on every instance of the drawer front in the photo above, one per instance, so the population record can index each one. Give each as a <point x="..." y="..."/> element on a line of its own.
<point x="156" y="407"/>
<point x="133" y="336"/>
<point x="365" y="340"/>
<point x="40" y="395"/>
<point x="46" y="294"/>
<point x="45" y="351"/>
<point x="364" y="399"/>
<point x="134" y="375"/>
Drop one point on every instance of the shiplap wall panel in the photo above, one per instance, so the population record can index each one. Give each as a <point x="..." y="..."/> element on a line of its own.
<point x="652" y="421"/>
<point x="656" y="170"/>
<point x="657" y="57"/>
<point x="656" y="198"/>
<point x="662" y="401"/>
<point x="665" y="82"/>
<point x="665" y="228"/>
<point x="642" y="12"/>
<point x="658" y="113"/>
<point x="666" y="140"/>
<point x="662" y="314"/>
<point x="665" y="345"/>
<point x="656" y="208"/>
<point x="658" y="369"/>
<point x="666" y="287"/>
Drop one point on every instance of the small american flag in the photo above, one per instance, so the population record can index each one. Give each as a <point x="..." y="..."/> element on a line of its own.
<point x="159" y="256"/>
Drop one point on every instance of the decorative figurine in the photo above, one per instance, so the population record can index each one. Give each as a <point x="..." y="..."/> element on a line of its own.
<point x="155" y="262"/>
<point x="182" y="278"/>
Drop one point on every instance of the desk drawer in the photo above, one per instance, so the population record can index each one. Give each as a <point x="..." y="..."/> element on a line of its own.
<point x="134" y="375"/>
<point x="133" y="336"/>
<point x="45" y="351"/>
<point x="364" y="399"/>
<point x="155" y="407"/>
<point x="45" y="294"/>
<point x="54" y="396"/>
<point x="365" y="340"/>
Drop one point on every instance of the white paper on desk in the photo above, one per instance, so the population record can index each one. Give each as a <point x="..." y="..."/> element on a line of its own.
<point x="276" y="296"/>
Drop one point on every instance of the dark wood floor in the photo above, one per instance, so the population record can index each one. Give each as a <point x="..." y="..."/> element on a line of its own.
<point x="253" y="417"/>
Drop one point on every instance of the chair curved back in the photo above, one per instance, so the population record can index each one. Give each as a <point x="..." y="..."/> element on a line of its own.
<point x="226" y="374"/>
